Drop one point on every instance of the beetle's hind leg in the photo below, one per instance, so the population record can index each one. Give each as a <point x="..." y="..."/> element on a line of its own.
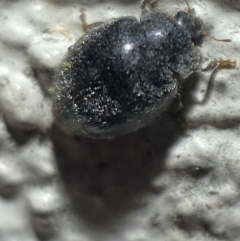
<point x="85" y="25"/>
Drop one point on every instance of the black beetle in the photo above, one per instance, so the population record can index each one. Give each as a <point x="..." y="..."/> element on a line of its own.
<point x="123" y="74"/>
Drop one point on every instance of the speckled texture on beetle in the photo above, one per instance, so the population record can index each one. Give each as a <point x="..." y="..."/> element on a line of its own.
<point x="123" y="74"/>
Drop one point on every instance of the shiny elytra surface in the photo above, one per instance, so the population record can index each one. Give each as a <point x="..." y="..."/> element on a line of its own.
<point x="123" y="74"/>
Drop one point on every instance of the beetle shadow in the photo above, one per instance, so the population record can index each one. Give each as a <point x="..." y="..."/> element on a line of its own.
<point x="109" y="178"/>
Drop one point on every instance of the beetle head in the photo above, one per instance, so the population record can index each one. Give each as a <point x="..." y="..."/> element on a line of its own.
<point x="193" y="25"/>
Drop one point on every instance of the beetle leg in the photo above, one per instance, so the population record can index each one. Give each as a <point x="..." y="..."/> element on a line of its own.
<point x="144" y="3"/>
<point x="189" y="9"/>
<point x="85" y="25"/>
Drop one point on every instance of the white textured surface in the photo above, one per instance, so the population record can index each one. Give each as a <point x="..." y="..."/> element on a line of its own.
<point x="166" y="182"/>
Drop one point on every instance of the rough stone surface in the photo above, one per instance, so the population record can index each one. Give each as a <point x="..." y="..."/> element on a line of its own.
<point x="171" y="181"/>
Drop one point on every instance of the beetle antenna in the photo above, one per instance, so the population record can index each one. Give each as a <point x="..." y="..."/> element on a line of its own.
<point x="216" y="39"/>
<point x="190" y="11"/>
<point x="220" y="64"/>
